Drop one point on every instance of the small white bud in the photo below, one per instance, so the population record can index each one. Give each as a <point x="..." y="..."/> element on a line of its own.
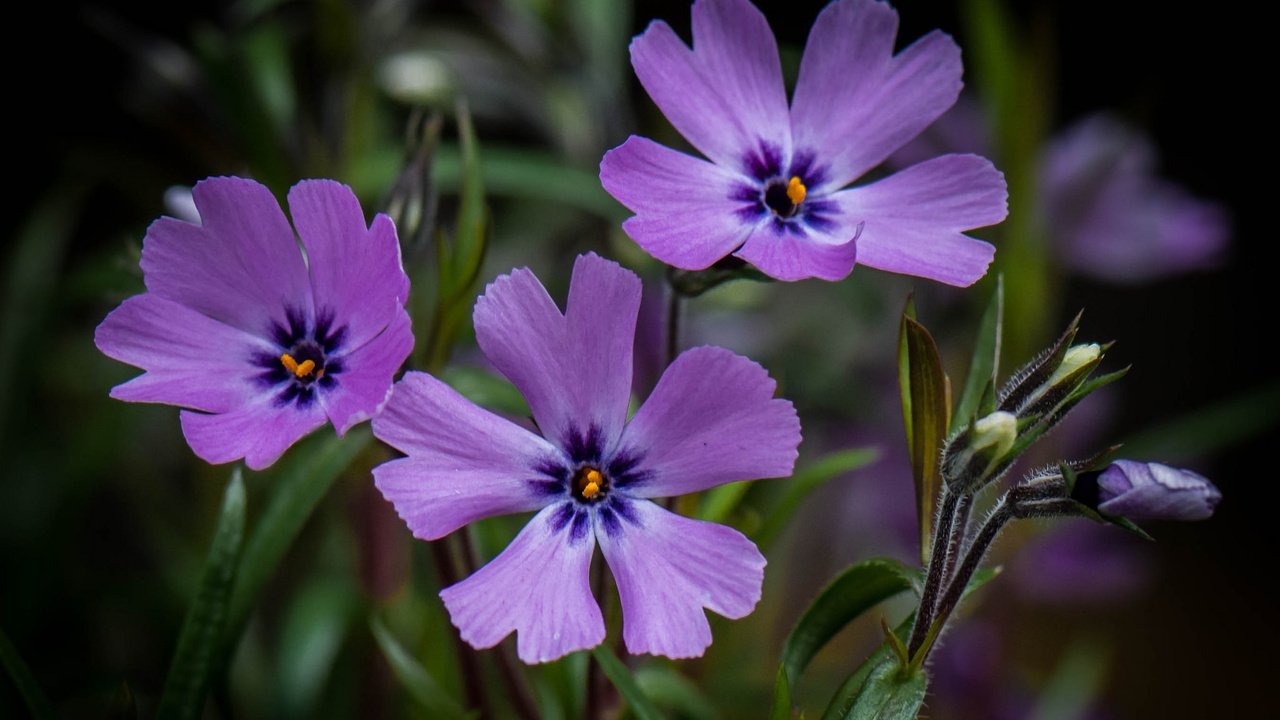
<point x="1075" y="358"/>
<point x="998" y="430"/>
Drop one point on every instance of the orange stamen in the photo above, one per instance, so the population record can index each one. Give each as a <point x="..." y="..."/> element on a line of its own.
<point x="796" y="191"/>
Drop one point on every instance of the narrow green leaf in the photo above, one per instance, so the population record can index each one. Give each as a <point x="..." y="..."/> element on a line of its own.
<point x="843" y="701"/>
<point x="781" y="708"/>
<point x="316" y="625"/>
<point x="1075" y="682"/>
<point x="668" y="688"/>
<point x="473" y="215"/>
<point x="531" y="175"/>
<point x="904" y="368"/>
<point x="423" y="688"/>
<point x="641" y="706"/>
<point x="298" y="482"/>
<point x="854" y="591"/>
<point x="486" y="389"/>
<point x="24" y="681"/>
<point x="1210" y="429"/>
<point x="985" y="365"/>
<point x="926" y="401"/>
<point x="806" y="481"/>
<point x="194" y="661"/>
<point x="719" y="502"/>
<point x="889" y="693"/>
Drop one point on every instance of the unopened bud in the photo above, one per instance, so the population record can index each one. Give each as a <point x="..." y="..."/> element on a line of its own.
<point x="1076" y="358"/>
<point x="998" y="430"/>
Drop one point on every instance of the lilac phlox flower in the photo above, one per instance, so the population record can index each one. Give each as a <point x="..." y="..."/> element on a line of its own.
<point x="591" y="475"/>
<point x="1114" y="216"/>
<point x="1151" y="491"/>
<point x="261" y="340"/>
<point x="1108" y="212"/>
<point x="774" y="190"/>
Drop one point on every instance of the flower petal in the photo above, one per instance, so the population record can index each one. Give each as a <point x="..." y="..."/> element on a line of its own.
<point x="685" y="212"/>
<point x="914" y="218"/>
<point x="1112" y="215"/>
<point x="539" y="587"/>
<point x="356" y="272"/>
<point x="668" y="568"/>
<point x="259" y="433"/>
<point x="573" y="369"/>
<point x="1151" y="491"/>
<point x="855" y="102"/>
<point x="795" y="254"/>
<point x="712" y="419"/>
<point x="726" y="95"/>
<point x="242" y="266"/>
<point x="464" y="464"/>
<point x="367" y="373"/>
<point x="190" y="359"/>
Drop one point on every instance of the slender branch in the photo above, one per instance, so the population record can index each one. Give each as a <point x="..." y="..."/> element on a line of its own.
<point x="937" y="562"/>
<point x="517" y="687"/>
<point x="446" y="566"/>
<point x="959" y="528"/>
<point x="595" y="676"/>
<point x="674" y="307"/>
<point x="1002" y="513"/>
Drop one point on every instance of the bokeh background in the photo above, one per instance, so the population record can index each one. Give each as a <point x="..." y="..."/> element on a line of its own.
<point x="105" y="514"/>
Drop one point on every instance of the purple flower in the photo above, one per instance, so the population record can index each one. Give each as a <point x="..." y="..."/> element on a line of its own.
<point x="1114" y="217"/>
<point x="1151" y="491"/>
<point x="772" y="192"/>
<point x="265" y="342"/>
<point x="712" y="419"/>
<point x="1108" y="212"/>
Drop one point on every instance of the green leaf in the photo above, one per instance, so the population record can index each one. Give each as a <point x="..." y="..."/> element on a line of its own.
<point x="194" y="661"/>
<point x="1075" y="683"/>
<point x="298" y="482"/>
<point x="531" y="175"/>
<point x="719" y="502"/>
<point x="1205" y="431"/>
<point x="926" y="402"/>
<point x="806" y="481"/>
<point x="668" y="688"/>
<point x="853" y="592"/>
<point x="315" y="628"/>
<point x="985" y="365"/>
<point x="423" y="688"/>
<point x="641" y="706"/>
<point x="781" y="708"/>
<point x="33" y="697"/>
<point x="486" y="389"/>
<point x="889" y="693"/>
<point x="843" y="701"/>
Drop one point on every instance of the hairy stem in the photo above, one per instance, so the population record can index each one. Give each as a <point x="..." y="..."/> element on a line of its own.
<point x="937" y="565"/>
<point x="977" y="551"/>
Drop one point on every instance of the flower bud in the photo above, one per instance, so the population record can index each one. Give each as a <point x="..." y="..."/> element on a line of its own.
<point x="976" y="455"/>
<point x="1077" y="357"/>
<point x="997" y="430"/>
<point x="1151" y="491"/>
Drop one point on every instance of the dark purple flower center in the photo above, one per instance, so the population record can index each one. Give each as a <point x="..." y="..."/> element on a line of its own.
<point x="306" y="359"/>
<point x="784" y="197"/>
<point x="780" y="191"/>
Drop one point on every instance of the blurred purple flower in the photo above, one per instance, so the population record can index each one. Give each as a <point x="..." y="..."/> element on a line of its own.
<point x="1080" y="564"/>
<point x="772" y="192"/>
<point x="1113" y="217"/>
<point x="265" y="343"/>
<point x="712" y="419"/>
<point x="1151" y="491"/>
<point x="1108" y="212"/>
